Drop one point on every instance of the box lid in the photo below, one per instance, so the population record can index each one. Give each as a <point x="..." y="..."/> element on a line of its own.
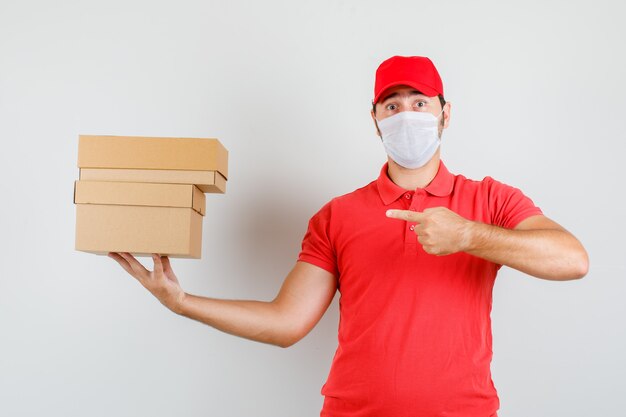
<point x="139" y="194"/>
<point x="141" y="152"/>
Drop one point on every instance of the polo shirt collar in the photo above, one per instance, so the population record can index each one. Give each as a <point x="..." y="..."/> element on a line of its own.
<point x="440" y="186"/>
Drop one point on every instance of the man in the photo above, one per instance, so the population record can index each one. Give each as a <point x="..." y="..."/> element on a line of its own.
<point x="414" y="255"/>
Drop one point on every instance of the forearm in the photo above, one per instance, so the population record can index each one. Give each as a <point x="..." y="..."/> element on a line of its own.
<point x="544" y="253"/>
<point x="255" y="320"/>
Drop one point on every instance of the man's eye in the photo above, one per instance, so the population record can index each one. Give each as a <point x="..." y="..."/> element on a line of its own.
<point x="421" y="104"/>
<point x="391" y="107"/>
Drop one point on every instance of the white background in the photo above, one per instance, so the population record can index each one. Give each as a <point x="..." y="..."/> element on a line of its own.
<point x="538" y="101"/>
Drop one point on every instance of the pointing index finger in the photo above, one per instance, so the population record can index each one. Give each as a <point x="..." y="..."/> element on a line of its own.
<point x="408" y="215"/>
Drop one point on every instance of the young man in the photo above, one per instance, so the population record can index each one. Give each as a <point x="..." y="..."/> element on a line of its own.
<point x="414" y="255"/>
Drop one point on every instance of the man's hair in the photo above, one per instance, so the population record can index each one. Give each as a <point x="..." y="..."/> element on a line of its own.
<point x="441" y="100"/>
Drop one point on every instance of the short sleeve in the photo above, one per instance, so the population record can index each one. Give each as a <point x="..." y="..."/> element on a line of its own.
<point x="508" y="205"/>
<point x="317" y="248"/>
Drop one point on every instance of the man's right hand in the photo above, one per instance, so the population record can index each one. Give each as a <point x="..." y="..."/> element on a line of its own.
<point x="161" y="282"/>
<point x="302" y="300"/>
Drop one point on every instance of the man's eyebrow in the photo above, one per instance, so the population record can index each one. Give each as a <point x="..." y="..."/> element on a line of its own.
<point x="412" y="92"/>
<point x="390" y="96"/>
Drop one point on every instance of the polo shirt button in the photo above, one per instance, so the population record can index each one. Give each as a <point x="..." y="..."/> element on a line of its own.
<point x="412" y="227"/>
<point x="407" y="196"/>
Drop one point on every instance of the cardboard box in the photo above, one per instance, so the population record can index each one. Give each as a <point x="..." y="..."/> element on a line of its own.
<point x="140" y="230"/>
<point x="139" y="194"/>
<point x="140" y="218"/>
<point x="207" y="181"/>
<point x="139" y="152"/>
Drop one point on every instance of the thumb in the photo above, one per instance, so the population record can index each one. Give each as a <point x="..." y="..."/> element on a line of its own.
<point x="166" y="264"/>
<point x="158" y="264"/>
<point x="167" y="268"/>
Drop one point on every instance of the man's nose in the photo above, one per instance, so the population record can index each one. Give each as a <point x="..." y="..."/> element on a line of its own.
<point x="406" y="107"/>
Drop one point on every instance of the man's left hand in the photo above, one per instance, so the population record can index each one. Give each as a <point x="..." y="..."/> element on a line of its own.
<point x="439" y="230"/>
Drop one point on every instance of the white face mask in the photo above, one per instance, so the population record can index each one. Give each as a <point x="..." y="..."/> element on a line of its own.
<point x="410" y="138"/>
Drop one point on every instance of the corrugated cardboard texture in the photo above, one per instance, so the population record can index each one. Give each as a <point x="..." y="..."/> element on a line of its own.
<point x="207" y="181"/>
<point x="139" y="152"/>
<point x="139" y="194"/>
<point x="176" y="232"/>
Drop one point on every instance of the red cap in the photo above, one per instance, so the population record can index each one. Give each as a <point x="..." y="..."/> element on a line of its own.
<point x="415" y="71"/>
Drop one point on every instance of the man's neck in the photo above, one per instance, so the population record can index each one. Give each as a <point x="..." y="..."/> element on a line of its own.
<point x="410" y="179"/>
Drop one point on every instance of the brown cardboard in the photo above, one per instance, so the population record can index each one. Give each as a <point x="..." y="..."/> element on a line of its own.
<point x="207" y="181"/>
<point x="139" y="194"/>
<point x="140" y="230"/>
<point x="140" y="152"/>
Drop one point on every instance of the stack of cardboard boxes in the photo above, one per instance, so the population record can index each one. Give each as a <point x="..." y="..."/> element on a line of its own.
<point x="145" y="195"/>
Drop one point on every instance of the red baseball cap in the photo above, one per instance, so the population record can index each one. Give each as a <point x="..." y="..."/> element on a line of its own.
<point x="418" y="72"/>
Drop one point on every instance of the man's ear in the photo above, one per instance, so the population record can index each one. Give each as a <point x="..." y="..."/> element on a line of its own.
<point x="446" y="114"/>
<point x="375" y="123"/>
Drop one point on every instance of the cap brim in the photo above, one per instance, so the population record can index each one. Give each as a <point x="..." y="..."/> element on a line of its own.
<point x="422" y="88"/>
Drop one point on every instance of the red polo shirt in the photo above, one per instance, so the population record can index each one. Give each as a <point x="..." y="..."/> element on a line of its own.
<point x="415" y="329"/>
